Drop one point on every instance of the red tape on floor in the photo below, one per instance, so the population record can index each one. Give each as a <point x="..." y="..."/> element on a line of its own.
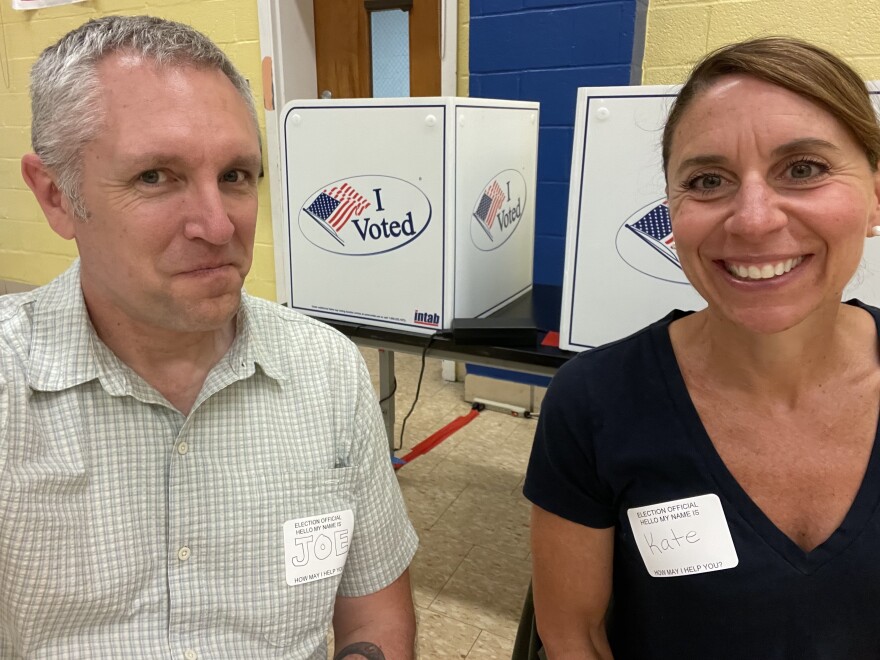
<point x="551" y="339"/>
<point x="437" y="437"/>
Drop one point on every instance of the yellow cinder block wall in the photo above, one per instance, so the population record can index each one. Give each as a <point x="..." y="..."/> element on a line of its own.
<point x="679" y="32"/>
<point x="464" y="35"/>
<point x="29" y="251"/>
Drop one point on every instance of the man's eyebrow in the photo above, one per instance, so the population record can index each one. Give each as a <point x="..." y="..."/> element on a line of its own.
<point x="150" y="159"/>
<point x="153" y="160"/>
<point x="253" y="163"/>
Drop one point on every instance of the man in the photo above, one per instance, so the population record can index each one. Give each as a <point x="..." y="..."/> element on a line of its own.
<point x="185" y="472"/>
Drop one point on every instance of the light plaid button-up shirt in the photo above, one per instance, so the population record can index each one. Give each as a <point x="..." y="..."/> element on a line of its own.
<point x="129" y="530"/>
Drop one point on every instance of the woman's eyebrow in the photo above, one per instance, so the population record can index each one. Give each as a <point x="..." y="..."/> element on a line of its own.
<point x="701" y="160"/>
<point x="800" y="144"/>
<point x="804" y="144"/>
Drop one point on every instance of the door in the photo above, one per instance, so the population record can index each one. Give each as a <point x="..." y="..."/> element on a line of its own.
<point x="366" y="48"/>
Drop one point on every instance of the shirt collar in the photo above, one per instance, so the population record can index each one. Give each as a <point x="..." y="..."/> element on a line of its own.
<point x="62" y="348"/>
<point x="66" y="351"/>
<point x="250" y="347"/>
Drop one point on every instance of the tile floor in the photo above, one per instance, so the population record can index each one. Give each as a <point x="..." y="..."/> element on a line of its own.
<point x="472" y="570"/>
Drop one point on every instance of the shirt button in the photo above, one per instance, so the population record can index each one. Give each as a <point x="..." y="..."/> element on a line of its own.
<point x="182" y="448"/>
<point x="183" y="555"/>
<point x="189" y="654"/>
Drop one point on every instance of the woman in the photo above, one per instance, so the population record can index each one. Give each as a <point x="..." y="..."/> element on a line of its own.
<point x="709" y="487"/>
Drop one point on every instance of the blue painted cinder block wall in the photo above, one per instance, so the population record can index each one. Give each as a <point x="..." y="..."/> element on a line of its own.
<point x="543" y="50"/>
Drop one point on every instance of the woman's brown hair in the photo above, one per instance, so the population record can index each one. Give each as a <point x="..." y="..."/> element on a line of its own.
<point x="795" y="65"/>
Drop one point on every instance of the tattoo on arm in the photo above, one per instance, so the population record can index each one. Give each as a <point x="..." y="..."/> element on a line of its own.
<point x="365" y="650"/>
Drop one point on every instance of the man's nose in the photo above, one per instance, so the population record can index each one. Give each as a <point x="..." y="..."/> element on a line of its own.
<point x="208" y="218"/>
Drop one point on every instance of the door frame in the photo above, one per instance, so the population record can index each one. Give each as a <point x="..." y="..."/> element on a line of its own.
<point x="287" y="38"/>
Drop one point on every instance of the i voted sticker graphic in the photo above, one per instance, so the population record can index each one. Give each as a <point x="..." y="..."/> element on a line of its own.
<point x="365" y="215"/>
<point x="498" y="210"/>
<point x="645" y="243"/>
<point x="683" y="537"/>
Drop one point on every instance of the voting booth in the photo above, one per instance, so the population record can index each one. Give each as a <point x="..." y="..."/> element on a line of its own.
<point x="621" y="268"/>
<point x="407" y="213"/>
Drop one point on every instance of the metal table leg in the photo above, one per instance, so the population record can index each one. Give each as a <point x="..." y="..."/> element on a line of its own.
<point x="386" y="388"/>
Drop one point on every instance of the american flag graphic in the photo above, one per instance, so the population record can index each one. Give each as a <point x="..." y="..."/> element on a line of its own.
<point x="333" y="208"/>
<point x="490" y="202"/>
<point x="655" y="228"/>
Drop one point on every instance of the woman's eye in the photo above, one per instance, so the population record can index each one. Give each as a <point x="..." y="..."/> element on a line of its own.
<point x="152" y="177"/>
<point x="705" y="182"/>
<point x="805" y="169"/>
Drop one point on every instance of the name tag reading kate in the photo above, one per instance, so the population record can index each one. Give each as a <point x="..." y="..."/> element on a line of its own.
<point x="683" y="537"/>
<point x="317" y="547"/>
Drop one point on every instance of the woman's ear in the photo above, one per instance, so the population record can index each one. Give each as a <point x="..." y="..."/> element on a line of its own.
<point x="874" y="216"/>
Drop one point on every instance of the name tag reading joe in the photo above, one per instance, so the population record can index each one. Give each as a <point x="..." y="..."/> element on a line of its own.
<point x="683" y="537"/>
<point x="317" y="547"/>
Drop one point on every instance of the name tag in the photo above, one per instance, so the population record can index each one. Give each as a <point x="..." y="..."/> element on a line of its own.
<point x="317" y="547"/>
<point x="683" y="537"/>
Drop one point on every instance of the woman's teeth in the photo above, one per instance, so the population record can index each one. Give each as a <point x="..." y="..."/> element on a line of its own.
<point x="764" y="271"/>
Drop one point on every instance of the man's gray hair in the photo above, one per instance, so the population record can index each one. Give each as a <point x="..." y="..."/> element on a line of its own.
<point x="66" y="95"/>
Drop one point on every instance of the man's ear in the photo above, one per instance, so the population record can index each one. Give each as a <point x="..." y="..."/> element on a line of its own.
<point x="54" y="203"/>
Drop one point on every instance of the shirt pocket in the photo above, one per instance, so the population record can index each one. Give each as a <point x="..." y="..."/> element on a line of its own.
<point x="300" y="614"/>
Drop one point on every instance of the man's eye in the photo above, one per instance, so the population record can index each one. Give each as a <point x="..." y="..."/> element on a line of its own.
<point x="152" y="177"/>
<point x="233" y="176"/>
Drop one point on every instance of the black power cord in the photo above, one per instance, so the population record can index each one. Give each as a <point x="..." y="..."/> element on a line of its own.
<point x="418" y="389"/>
<point x="391" y="393"/>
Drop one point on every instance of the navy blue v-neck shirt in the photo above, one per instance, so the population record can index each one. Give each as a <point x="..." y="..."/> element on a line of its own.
<point x="618" y="430"/>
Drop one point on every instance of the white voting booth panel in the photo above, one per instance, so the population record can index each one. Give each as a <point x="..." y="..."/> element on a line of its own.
<point x="407" y="213"/>
<point x="621" y="269"/>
